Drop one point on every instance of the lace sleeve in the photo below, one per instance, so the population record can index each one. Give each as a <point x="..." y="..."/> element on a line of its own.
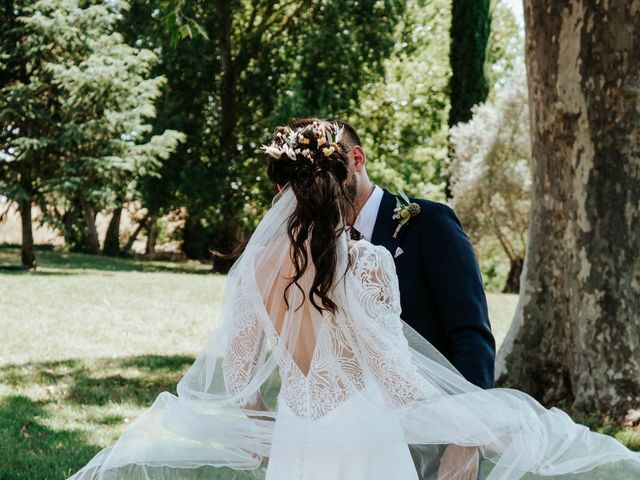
<point x="241" y="359"/>
<point x="387" y="350"/>
<point x="380" y="295"/>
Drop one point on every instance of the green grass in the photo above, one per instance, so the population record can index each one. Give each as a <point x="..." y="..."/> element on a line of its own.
<point x="501" y="309"/>
<point x="87" y="344"/>
<point x="79" y="306"/>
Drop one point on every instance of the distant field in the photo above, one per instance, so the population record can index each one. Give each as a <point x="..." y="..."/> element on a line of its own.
<point x="87" y="343"/>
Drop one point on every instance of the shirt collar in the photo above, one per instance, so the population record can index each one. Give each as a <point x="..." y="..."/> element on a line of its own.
<point x="366" y="219"/>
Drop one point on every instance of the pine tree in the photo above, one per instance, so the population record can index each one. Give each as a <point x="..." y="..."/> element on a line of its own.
<point x="470" y="27"/>
<point x="81" y="113"/>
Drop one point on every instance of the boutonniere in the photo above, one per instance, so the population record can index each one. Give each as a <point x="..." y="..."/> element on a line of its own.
<point x="404" y="211"/>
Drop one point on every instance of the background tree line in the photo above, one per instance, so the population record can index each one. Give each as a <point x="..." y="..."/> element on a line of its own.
<point x="197" y="86"/>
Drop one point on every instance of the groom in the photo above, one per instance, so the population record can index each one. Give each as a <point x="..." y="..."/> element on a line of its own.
<point x="441" y="291"/>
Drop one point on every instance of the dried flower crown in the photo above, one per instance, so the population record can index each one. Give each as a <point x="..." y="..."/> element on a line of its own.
<point x="312" y="141"/>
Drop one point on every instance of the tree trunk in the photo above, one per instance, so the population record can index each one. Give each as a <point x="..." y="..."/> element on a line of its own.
<point x="227" y="239"/>
<point x="193" y="237"/>
<point x="152" y="234"/>
<point x="513" y="278"/>
<point x="112" y="237"/>
<point x="89" y="217"/>
<point x="228" y="138"/>
<point x="71" y="232"/>
<point x="28" y="252"/>
<point x="134" y="235"/>
<point x="575" y="334"/>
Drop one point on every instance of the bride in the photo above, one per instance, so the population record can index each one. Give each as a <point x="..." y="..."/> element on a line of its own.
<point x="311" y="373"/>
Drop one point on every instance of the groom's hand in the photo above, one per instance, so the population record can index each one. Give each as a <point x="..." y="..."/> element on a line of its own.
<point x="459" y="463"/>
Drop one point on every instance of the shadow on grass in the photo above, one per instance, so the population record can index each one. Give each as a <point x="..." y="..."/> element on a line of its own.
<point x="52" y="262"/>
<point x="138" y="381"/>
<point x="29" y="449"/>
<point x="134" y="380"/>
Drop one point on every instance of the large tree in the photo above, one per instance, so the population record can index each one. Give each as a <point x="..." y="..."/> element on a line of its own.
<point x="79" y="113"/>
<point x="575" y="334"/>
<point x="28" y="117"/>
<point x="258" y="64"/>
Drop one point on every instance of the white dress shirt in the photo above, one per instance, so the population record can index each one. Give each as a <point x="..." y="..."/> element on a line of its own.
<point x="366" y="219"/>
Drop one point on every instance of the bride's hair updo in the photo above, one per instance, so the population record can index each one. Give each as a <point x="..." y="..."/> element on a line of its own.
<point x="309" y="156"/>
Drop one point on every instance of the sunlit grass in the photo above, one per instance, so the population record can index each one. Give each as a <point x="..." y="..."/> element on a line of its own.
<point x="501" y="309"/>
<point x="78" y="306"/>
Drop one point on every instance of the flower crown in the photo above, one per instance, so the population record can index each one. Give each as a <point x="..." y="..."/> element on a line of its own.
<point x="312" y="141"/>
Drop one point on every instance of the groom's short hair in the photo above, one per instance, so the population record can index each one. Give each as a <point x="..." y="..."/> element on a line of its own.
<point x="350" y="136"/>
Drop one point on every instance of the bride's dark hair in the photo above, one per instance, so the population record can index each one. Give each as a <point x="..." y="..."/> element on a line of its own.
<point x="310" y="157"/>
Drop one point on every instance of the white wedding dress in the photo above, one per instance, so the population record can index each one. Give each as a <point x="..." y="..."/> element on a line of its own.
<point x="345" y="394"/>
<point x="313" y="409"/>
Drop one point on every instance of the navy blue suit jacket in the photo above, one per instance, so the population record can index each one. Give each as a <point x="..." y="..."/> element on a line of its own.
<point x="441" y="291"/>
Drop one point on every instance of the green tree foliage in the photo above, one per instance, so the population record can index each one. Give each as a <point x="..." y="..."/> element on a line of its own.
<point x="402" y="117"/>
<point x="491" y="177"/>
<point x="258" y="64"/>
<point x="232" y="71"/>
<point x="190" y="66"/>
<point x="93" y="98"/>
<point x="470" y="26"/>
<point x="505" y="49"/>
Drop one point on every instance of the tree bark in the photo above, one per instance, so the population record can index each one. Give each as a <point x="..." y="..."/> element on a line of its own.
<point x="512" y="284"/>
<point x="89" y="217"/>
<point x="111" y="246"/>
<point x="152" y="234"/>
<point x="127" y="247"/>
<point x="575" y="334"/>
<point x="28" y="252"/>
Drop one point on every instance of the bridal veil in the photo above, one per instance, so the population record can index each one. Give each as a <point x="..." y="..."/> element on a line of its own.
<point x="272" y="347"/>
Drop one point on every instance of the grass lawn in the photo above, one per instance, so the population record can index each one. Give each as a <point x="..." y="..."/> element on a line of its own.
<point x="86" y="344"/>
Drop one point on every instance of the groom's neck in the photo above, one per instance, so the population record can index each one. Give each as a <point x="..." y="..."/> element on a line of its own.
<point x="365" y="189"/>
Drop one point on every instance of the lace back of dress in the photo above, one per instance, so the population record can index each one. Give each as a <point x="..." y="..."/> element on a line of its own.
<point x="317" y="363"/>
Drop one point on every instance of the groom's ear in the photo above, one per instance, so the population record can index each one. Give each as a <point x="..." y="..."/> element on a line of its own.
<point x="359" y="158"/>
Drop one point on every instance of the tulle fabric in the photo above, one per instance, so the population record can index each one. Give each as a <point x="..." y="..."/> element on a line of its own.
<point x="278" y="380"/>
